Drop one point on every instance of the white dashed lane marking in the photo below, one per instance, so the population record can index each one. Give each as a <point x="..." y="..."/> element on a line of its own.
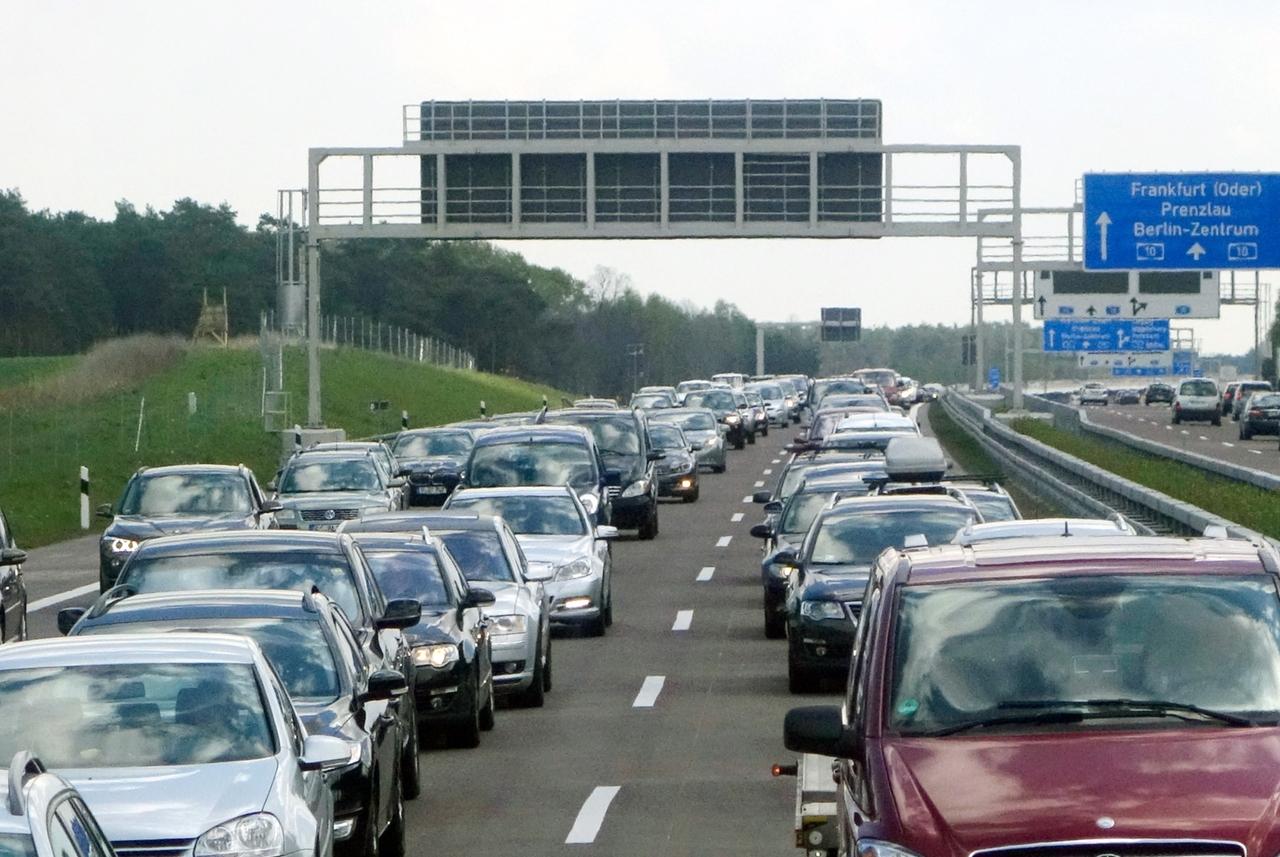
<point x="684" y="619"/>
<point x="649" y="691"/>
<point x="759" y="484"/>
<point x="747" y="499"/>
<point x="768" y="471"/>
<point x="706" y="573"/>
<point x="587" y="825"/>
<point x="1225" y="443"/>
<point x="723" y="541"/>
<point x="737" y="516"/>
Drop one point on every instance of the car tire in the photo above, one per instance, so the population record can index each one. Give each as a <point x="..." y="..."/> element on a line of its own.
<point x="751" y="438"/>
<point x="392" y="842"/>
<point x="1245" y="434"/>
<point x="691" y="497"/>
<point x="410" y="769"/>
<point x="800" y="679"/>
<point x="1177" y="420"/>
<point x="740" y="443"/>
<point x="466" y="733"/>
<point x="546" y="667"/>
<point x="765" y="432"/>
<point x="720" y="468"/>
<point x="775" y="624"/>
<point x="1217" y="421"/>
<point x="649" y="529"/>
<point x="535" y="696"/>
<point x="487" y="718"/>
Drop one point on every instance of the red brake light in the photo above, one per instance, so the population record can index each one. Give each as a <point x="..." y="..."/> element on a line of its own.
<point x="1254" y="412"/>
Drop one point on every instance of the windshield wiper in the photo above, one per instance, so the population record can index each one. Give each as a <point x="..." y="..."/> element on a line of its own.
<point x="1072" y="716"/>
<point x="1136" y="707"/>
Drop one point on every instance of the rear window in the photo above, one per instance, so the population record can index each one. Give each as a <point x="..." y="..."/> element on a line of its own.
<point x="414" y="574"/>
<point x="1199" y="387"/>
<point x="479" y="554"/>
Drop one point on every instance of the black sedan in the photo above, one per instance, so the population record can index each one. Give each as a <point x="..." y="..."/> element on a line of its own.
<point x="13" y="589"/>
<point x="167" y="501"/>
<point x="1158" y="393"/>
<point x="452" y="652"/>
<point x="335" y="686"/>
<point x="432" y="460"/>
<point x="1260" y="415"/>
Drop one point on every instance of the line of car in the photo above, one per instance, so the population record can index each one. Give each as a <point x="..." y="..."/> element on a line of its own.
<point x="1254" y="405"/>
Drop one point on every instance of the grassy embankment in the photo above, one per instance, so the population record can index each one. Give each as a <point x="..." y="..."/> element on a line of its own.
<point x="57" y="414"/>
<point x="1246" y="505"/>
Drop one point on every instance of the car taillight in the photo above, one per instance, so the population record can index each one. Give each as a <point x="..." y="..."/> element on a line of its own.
<point x="1254" y="412"/>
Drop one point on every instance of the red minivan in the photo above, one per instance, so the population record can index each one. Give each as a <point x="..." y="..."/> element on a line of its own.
<point x="1060" y="698"/>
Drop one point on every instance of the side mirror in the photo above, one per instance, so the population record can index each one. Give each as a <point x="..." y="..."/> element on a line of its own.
<point x="401" y="613"/>
<point x="478" y="598"/>
<point x="656" y="455"/>
<point x="269" y="506"/>
<point x="396" y="483"/>
<point x="761" y="496"/>
<point x="104" y="511"/>
<point x="604" y="531"/>
<point x="404" y="472"/>
<point x="271" y="486"/>
<point x="762" y="531"/>
<point x="773" y="507"/>
<point x="613" y="478"/>
<point x="693" y="449"/>
<point x="818" y="729"/>
<point x="12" y="556"/>
<point x="68" y="617"/>
<point x="325" y="753"/>
<point x="385" y="684"/>
<point x="785" y="558"/>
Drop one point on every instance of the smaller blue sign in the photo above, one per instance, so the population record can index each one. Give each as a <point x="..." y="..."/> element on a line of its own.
<point x="1184" y="362"/>
<point x="1138" y="371"/>
<point x="993" y="377"/>
<point x="1121" y="334"/>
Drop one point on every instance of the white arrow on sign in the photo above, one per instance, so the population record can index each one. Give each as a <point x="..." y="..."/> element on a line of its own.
<point x="1103" y="221"/>
<point x="1195" y="252"/>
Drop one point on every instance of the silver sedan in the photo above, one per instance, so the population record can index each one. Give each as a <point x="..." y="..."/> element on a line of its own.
<point x="703" y="431"/>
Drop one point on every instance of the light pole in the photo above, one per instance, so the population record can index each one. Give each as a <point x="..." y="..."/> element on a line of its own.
<point x="636" y="351"/>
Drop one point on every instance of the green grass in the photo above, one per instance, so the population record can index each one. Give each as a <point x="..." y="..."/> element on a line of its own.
<point x="1243" y="504"/>
<point x="970" y="457"/>
<point x="21" y="370"/>
<point x="50" y="428"/>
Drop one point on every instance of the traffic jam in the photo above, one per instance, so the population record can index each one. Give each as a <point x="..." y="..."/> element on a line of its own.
<point x="287" y="667"/>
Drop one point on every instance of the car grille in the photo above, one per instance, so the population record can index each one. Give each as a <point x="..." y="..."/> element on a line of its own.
<point x="1120" y="848"/>
<point x="613" y="491"/>
<point x="329" y="514"/>
<point x="153" y="847"/>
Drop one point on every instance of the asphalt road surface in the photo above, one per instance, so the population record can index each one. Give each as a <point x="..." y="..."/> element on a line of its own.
<point x="653" y="740"/>
<point x="1221" y="442"/>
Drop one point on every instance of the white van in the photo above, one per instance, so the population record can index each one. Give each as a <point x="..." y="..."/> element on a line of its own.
<point x="1199" y="400"/>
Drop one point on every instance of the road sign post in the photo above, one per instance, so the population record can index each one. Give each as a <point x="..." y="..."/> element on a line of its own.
<point x="1181" y="221"/>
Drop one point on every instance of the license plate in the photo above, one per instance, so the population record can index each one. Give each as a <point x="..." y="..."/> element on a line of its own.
<point x="430" y="489"/>
<point x="326" y="527"/>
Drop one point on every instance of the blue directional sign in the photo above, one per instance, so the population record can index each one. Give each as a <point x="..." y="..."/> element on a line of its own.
<point x="1181" y="221"/>
<point x="993" y="377"/>
<point x="1184" y="362"/>
<point x="1119" y="334"/>
<point x="1138" y="371"/>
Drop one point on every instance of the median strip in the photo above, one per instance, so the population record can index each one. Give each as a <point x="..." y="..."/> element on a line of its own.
<point x="684" y="620"/>
<point x="649" y="691"/>
<point x="587" y="825"/>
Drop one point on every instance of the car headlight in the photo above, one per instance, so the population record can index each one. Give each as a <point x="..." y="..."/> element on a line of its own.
<point x="590" y="503"/>
<point x="732" y="419"/>
<point x="820" y="610"/>
<point x="573" y="570"/>
<point x="880" y="848"/>
<point x="508" y="624"/>
<point x="121" y="546"/>
<point x="288" y="516"/>
<point x="257" y="835"/>
<point x="637" y="488"/>
<point x="437" y="655"/>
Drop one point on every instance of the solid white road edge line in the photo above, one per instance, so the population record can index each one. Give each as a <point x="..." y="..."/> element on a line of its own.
<point x="649" y="691"/>
<point x="705" y="574"/>
<point x="684" y="620"/>
<point x="723" y="541"/>
<point x="587" y="825"/>
<point x="41" y="603"/>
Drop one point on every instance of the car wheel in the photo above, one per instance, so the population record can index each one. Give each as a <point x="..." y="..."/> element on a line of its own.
<point x="649" y="529"/>
<point x="751" y="438"/>
<point x="800" y="679"/>
<point x="536" y="695"/>
<point x="410" y="771"/>
<point x="467" y="732"/>
<point x="740" y="443"/>
<point x="1217" y="421"/>
<point x="765" y="432"/>
<point x="692" y="497"/>
<point x="1177" y="420"/>
<point x="546" y="666"/>
<point x="719" y="468"/>
<point x="775" y="624"/>
<point x="392" y="842"/>
<point x="1245" y="434"/>
<point x="487" y="719"/>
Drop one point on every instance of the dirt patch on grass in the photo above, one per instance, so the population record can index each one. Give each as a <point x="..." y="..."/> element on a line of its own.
<point x="118" y="364"/>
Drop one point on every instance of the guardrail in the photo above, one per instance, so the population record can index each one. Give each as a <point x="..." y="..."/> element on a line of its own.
<point x="1077" y="419"/>
<point x="1079" y="486"/>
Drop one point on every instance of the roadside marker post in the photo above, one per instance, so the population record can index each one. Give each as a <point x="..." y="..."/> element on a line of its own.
<point x="84" y="498"/>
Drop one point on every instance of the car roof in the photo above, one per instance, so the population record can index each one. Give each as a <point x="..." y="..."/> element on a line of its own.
<point x="875" y="420"/>
<point x="896" y="503"/>
<point x="312" y="454"/>
<point x="590" y="413"/>
<point x="680" y="412"/>
<point x="1042" y="528"/>
<point x="1059" y="557"/>
<point x="197" y="647"/>
<point x="393" y="541"/>
<point x="449" y="429"/>
<point x="241" y="540"/>
<point x="189" y="468"/>
<point x="207" y="603"/>
<point x="435" y="519"/>
<point x="830" y="484"/>
<point x="558" y="433"/>
<point x="516" y="491"/>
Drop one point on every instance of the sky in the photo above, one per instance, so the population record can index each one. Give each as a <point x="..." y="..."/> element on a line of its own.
<point x="154" y="101"/>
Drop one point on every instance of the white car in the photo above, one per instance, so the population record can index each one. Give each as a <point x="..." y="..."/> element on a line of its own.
<point x="1198" y="400"/>
<point x="179" y="742"/>
<point x="46" y="816"/>
<point x="566" y="552"/>
<point x="1039" y="528"/>
<point x="1093" y="393"/>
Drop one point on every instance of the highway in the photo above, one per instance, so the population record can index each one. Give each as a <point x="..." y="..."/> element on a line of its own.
<point x="1221" y="442"/>
<point x="653" y="740"/>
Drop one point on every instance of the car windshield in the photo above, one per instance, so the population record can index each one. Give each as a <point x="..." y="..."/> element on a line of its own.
<point x="531" y="515"/>
<point x="769" y="391"/>
<point x="994" y="507"/>
<point x="651" y="400"/>
<point x="854" y="400"/>
<point x="296" y="570"/>
<point x="479" y="554"/>
<point x="1272" y="401"/>
<point x="966" y="651"/>
<point x="451" y="443"/>
<point x="134" y="715"/>
<point x="667" y="437"/>
<point x="1198" y="388"/>
<point x="879" y="377"/>
<point x="690" y="422"/>
<point x="502" y="465"/>
<point x="614" y="435"/>
<point x="412" y="574"/>
<point x="17" y="845"/>
<point x="187" y="494"/>
<point x="297" y="648"/>
<point x="348" y="474"/>
<point x="857" y="538"/>
<point x="716" y="400"/>
<point x="805" y="506"/>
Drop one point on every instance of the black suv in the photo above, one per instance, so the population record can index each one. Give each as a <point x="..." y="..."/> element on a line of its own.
<point x="167" y="501"/>
<point x="336" y="685"/>
<point x="13" y="590"/>
<point x="622" y="437"/>
<point x="432" y="459"/>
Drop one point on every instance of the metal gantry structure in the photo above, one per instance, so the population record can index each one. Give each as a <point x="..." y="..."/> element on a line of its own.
<point x="492" y="170"/>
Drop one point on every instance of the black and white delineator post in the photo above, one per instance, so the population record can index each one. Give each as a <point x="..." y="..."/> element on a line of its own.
<point x="404" y="419"/>
<point x="297" y="438"/>
<point x="84" y="498"/>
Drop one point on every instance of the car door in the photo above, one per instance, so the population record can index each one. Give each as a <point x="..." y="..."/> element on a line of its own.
<point x="381" y="719"/>
<point x="12" y="589"/>
<point x="308" y="787"/>
<point x="471" y="621"/>
<point x="852" y="778"/>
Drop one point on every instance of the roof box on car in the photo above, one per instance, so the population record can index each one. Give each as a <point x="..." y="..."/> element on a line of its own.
<point x="914" y="459"/>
